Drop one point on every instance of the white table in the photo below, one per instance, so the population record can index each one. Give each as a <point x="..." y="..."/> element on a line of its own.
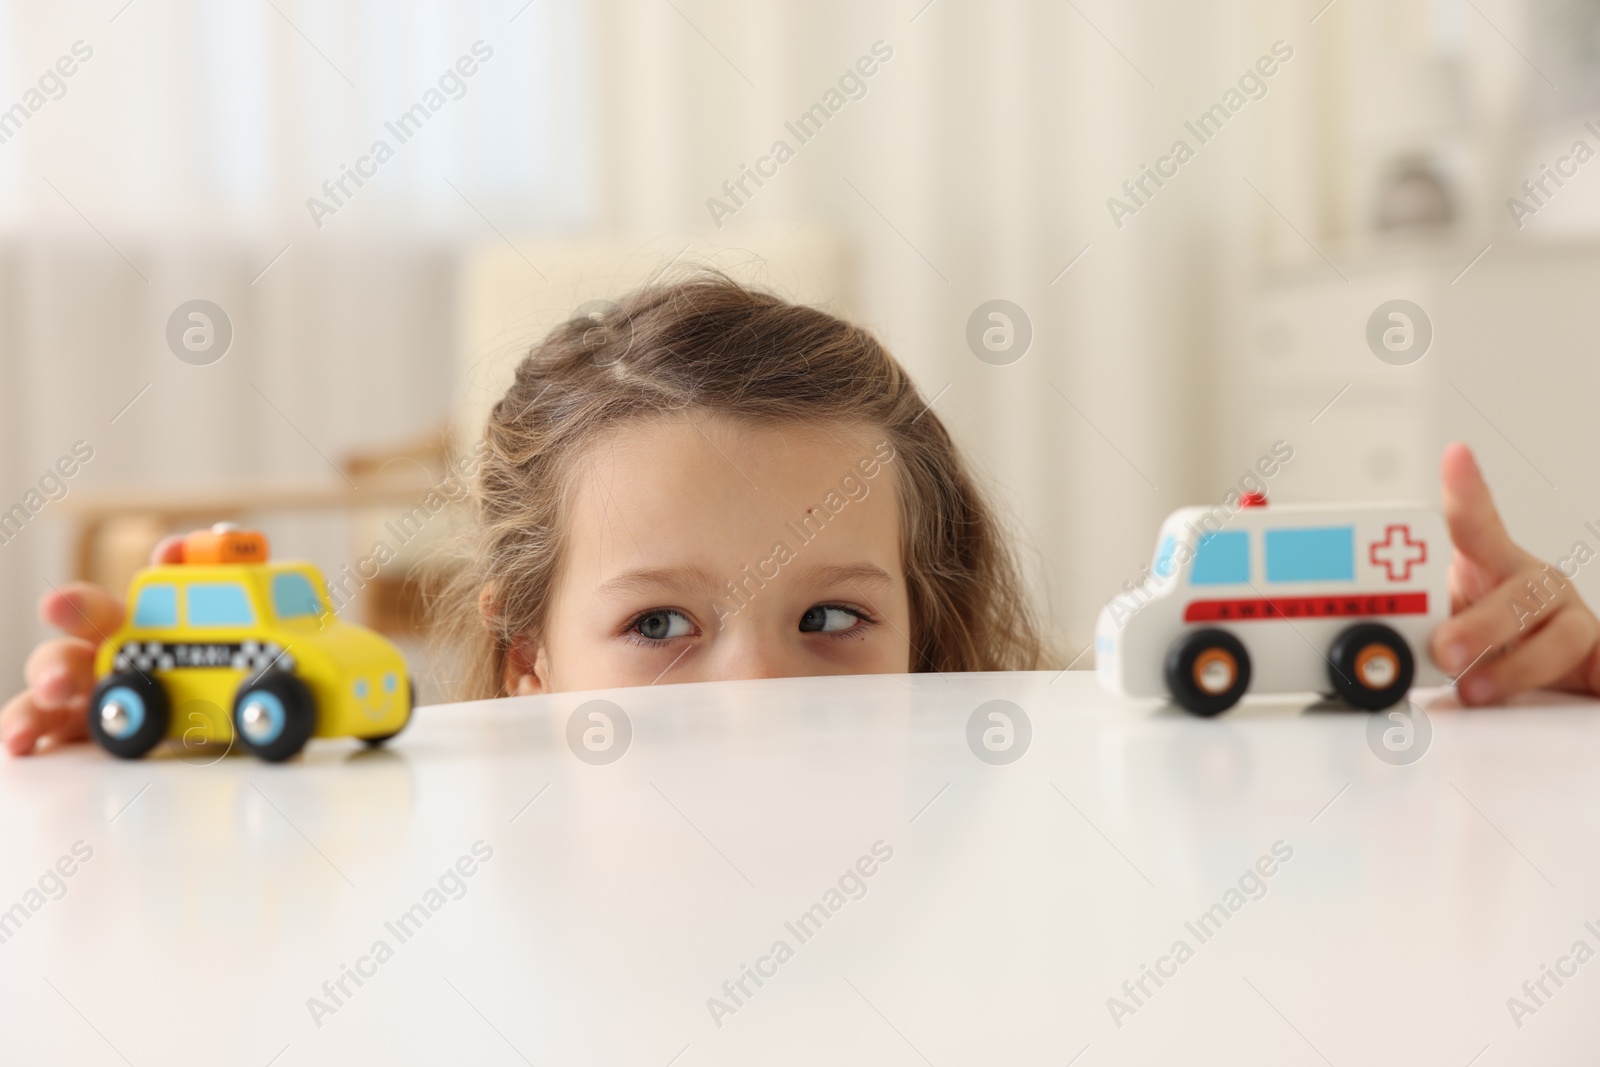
<point x="1018" y="899"/>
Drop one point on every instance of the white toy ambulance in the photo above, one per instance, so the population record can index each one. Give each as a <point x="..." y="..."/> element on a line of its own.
<point x="1287" y="598"/>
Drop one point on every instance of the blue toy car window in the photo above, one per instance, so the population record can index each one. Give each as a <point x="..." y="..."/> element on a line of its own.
<point x="1313" y="554"/>
<point x="1164" y="566"/>
<point x="294" y="597"/>
<point x="158" y="605"/>
<point x="1222" y="559"/>
<point x="219" y="604"/>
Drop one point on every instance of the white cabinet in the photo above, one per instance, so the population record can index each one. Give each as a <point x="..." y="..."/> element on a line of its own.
<point x="1362" y="428"/>
<point x="1513" y="369"/>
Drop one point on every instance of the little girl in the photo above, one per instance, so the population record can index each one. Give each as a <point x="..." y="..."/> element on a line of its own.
<point x="709" y="482"/>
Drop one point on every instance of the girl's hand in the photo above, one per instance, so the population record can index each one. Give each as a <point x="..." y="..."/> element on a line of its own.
<point x="60" y="672"/>
<point x="1526" y="640"/>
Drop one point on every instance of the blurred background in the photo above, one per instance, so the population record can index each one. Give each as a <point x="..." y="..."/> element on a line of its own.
<point x="363" y="305"/>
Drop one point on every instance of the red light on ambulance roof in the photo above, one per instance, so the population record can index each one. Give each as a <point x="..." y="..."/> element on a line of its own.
<point x="1253" y="500"/>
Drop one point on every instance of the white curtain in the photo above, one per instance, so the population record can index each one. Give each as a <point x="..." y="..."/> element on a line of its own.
<point x="175" y="162"/>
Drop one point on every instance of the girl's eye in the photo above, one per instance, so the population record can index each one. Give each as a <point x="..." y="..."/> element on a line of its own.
<point x="825" y="619"/>
<point x="662" y="625"/>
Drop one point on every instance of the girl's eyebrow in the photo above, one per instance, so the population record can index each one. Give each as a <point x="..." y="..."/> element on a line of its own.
<point x="683" y="578"/>
<point x="848" y="574"/>
<point x="688" y="578"/>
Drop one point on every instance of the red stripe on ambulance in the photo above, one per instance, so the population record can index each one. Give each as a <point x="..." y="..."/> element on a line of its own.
<point x="1306" y="607"/>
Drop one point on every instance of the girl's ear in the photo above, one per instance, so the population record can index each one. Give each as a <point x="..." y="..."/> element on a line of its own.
<point x="527" y="668"/>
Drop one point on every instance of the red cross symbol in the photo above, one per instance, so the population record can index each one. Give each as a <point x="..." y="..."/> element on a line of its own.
<point x="1397" y="552"/>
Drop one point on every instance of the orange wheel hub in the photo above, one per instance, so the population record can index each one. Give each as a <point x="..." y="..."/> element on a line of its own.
<point x="1215" y="671"/>
<point x="1377" y="666"/>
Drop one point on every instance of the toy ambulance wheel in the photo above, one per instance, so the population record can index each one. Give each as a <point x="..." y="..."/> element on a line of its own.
<point x="128" y="714"/>
<point x="411" y="705"/>
<point x="1207" y="671"/>
<point x="273" y="715"/>
<point x="1371" y="666"/>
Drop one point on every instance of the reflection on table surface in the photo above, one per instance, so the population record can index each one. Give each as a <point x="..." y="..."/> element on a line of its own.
<point x="942" y="869"/>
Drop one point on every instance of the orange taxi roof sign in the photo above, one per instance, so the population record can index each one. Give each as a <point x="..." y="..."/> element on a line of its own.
<point x="224" y="543"/>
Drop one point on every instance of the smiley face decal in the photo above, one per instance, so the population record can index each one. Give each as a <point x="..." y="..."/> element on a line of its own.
<point x="376" y="701"/>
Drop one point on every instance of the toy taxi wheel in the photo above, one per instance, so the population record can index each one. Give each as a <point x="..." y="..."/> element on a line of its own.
<point x="1371" y="666"/>
<point x="1207" y="671"/>
<point x="128" y="714"/>
<point x="273" y="715"/>
<point x="411" y="705"/>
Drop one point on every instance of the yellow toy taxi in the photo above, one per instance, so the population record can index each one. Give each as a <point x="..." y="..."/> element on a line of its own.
<point x="228" y="629"/>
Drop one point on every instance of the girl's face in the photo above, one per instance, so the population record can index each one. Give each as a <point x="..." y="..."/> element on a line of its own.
<point x="715" y="549"/>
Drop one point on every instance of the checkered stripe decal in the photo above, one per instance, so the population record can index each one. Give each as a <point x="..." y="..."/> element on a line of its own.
<point x="250" y="656"/>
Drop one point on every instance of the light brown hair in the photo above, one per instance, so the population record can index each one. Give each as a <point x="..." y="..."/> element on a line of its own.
<point x="706" y="345"/>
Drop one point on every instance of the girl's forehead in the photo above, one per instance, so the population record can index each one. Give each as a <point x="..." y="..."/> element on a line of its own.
<point x="676" y="488"/>
<point x="714" y="455"/>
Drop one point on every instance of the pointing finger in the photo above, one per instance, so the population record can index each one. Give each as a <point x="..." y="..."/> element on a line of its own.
<point x="1475" y="524"/>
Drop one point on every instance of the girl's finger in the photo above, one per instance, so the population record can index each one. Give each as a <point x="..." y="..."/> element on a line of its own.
<point x="1516" y="607"/>
<point x="16" y="730"/>
<point x="1551" y="653"/>
<point x="59" y="671"/>
<point x="64" y="725"/>
<point x="1475" y="524"/>
<point x="82" y="610"/>
<point x="90" y="612"/>
<point x="23" y="724"/>
<point x="167" y="550"/>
